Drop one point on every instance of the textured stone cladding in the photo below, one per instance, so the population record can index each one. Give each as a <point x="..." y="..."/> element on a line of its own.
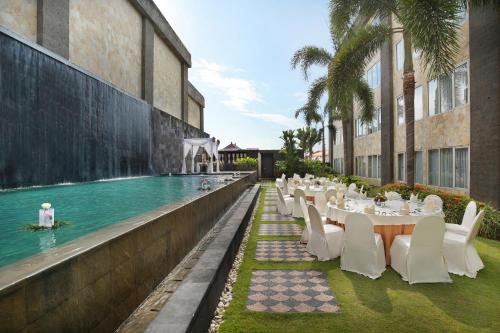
<point x="105" y="37"/>
<point x="193" y="113"/>
<point x="62" y="125"/>
<point x="19" y="16"/>
<point x="167" y="79"/>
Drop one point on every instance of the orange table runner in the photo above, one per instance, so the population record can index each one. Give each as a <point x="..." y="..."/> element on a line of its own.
<point x="388" y="232"/>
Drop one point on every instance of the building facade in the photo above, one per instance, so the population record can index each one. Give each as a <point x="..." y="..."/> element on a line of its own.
<point x="457" y="116"/>
<point x="97" y="89"/>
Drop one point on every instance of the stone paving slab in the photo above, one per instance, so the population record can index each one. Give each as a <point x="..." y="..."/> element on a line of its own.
<point x="270" y="209"/>
<point x="281" y="229"/>
<point x="290" y="291"/>
<point x="276" y="217"/>
<point x="282" y="251"/>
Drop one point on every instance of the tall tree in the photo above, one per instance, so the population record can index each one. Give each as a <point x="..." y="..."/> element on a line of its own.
<point x="308" y="137"/>
<point x="429" y="27"/>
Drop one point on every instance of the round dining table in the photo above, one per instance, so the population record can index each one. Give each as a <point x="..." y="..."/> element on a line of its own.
<point x="387" y="221"/>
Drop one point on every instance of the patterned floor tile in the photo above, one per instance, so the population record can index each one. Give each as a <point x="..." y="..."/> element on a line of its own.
<point x="270" y="209"/>
<point x="276" y="217"/>
<point x="281" y="229"/>
<point x="282" y="251"/>
<point x="290" y="291"/>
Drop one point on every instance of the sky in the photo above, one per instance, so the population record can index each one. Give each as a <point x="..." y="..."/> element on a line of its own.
<point x="241" y="51"/>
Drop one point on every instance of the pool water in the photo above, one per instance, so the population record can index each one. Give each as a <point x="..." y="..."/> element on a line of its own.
<point x="86" y="206"/>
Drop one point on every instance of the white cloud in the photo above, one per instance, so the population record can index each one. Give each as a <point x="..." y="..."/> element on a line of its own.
<point x="284" y="121"/>
<point x="238" y="92"/>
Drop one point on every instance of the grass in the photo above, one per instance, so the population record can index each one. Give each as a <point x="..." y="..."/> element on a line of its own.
<point x="387" y="304"/>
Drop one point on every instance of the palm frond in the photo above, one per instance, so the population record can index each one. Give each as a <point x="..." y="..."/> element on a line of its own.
<point x="308" y="56"/>
<point x="311" y="108"/>
<point x="433" y="27"/>
<point x="364" y="96"/>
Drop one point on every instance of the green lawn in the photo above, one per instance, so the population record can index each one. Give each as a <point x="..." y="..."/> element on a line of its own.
<point x="387" y="304"/>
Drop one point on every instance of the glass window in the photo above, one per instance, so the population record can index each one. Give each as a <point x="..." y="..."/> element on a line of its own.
<point x="370" y="166"/>
<point x="433" y="100"/>
<point x="419" y="103"/>
<point x="401" y="166"/>
<point x="373" y="76"/>
<point x="461" y="167"/>
<point x="446" y="167"/>
<point x="445" y="93"/>
<point x="376" y="20"/>
<point x="379" y="162"/>
<point x="418" y="167"/>
<point x="400" y="106"/>
<point x="434" y="167"/>
<point x="400" y="54"/>
<point x="461" y="85"/>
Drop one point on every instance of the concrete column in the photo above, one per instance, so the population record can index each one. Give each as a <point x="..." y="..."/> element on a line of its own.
<point x="484" y="34"/>
<point x="53" y="26"/>
<point x="387" y="105"/>
<point x="148" y="60"/>
<point x="184" y="92"/>
<point x="202" y="124"/>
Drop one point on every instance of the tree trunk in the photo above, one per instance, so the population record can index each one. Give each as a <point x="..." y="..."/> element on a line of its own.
<point x="347" y="133"/>
<point x="323" y="142"/>
<point x="409" y="101"/>
<point x="330" y="142"/>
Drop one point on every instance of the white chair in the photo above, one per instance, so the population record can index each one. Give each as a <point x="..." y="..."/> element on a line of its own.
<point x="467" y="221"/>
<point x="285" y="188"/>
<point x="459" y="251"/>
<point x="306" y="233"/>
<point x="279" y="181"/>
<point x="320" y="202"/>
<point x="285" y="205"/>
<point x="393" y="195"/>
<point x="329" y="194"/>
<point x="363" y="251"/>
<point x="325" y="241"/>
<point x="352" y="194"/>
<point x="437" y="200"/>
<point x="297" y="210"/>
<point x="419" y="258"/>
<point x="352" y="187"/>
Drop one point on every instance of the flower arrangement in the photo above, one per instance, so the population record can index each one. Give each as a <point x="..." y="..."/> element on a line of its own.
<point x="379" y="199"/>
<point x="204" y="185"/>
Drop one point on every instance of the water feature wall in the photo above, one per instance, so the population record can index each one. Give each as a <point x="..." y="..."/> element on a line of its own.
<point x="62" y="124"/>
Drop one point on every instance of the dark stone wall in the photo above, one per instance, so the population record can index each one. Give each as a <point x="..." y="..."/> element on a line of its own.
<point x="60" y="124"/>
<point x="484" y="44"/>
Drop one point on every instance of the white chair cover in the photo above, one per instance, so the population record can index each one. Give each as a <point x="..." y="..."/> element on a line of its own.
<point x="393" y="195"/>
<point x="325" y="241"/>
<point x="363" y="251"/>
<point x="285" y="187"/>
<point x="459" y="251"/>
<point x="306" y="233"/>
<point x="352" y="194"/>
<point x="285" y="205"/>
<point x="330" y="193"/>
<point x="467" y="220"/>
<point x="419" y="258"/>
<point x="320" y="202"/>
<point x="352" y="187"/>
<point x="297" y="210"/>
<point x="437" y="200"/>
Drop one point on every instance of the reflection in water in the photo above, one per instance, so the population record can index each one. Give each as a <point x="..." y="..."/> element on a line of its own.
<point x="47" y="240"/>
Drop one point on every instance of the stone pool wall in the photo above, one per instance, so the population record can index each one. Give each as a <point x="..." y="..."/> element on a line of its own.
<point x="63" y="124"/>
<point x="95" y="282"/>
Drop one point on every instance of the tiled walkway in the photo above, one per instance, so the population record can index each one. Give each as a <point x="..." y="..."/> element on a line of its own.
<point x="282" y="250"/>
<point x="281" y="229"/>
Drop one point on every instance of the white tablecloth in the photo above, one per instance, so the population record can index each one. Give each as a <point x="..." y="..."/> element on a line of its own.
<point x="383" y="215"/>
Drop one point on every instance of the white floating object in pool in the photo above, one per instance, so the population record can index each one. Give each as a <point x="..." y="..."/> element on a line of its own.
<point x="46" y="216"/>
<point x="170" y="174"/>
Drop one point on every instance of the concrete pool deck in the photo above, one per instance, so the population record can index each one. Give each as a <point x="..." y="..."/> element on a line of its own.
<point x="96" y="281"/>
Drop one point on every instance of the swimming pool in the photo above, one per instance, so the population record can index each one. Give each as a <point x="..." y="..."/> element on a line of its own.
<point x="86" y="206"/>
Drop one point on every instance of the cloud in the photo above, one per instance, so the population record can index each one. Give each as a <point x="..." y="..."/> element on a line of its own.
<point x="284" y="121"/>
<point x="238" y="92"/>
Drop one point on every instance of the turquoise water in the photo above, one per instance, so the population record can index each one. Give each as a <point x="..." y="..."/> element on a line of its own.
<point x="87" y="206"/>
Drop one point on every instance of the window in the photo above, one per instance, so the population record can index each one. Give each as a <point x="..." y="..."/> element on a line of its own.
<point x="374" y="166"/>
<point x="360" y="128"/>
<point x="418" y="167"/>
<point x="400" y="107"/>
<point x="400" y="55"/>
<point x="376" y="20"/>
<point x="338" y="165"/>
<point x="433" y="100"/>
<point x="360" y="166"/>
<point x="461" y="85"/>
<point x="374" y="126"/>
<point x="401" y="166"/>
<point x="419" y="103"/>
<point x="445" y="93"/>
<point x="373" y="76"/>
<point x="461" y="167"/>
<point x="449" y="167"/>
<point x="434" y="167"/>
<point x="338" y="136"/>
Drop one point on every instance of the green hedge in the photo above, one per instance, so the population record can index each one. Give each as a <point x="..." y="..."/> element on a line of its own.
<point x="454" y="207"/>
<point x="246" y="164"/>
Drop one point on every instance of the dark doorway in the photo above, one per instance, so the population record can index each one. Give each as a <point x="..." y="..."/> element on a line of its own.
<point x="267" y="165"/>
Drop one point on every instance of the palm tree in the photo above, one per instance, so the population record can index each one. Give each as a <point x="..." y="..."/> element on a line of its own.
<point x="429" y="27"/>
<point x="308" y="56"/>
<point x="308" y="137"/>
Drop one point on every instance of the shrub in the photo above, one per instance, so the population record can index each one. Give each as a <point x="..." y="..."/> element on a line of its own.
<point x="316" y="168"/>
<point x="246" y="164"/>
<point x="453" y="207"/>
